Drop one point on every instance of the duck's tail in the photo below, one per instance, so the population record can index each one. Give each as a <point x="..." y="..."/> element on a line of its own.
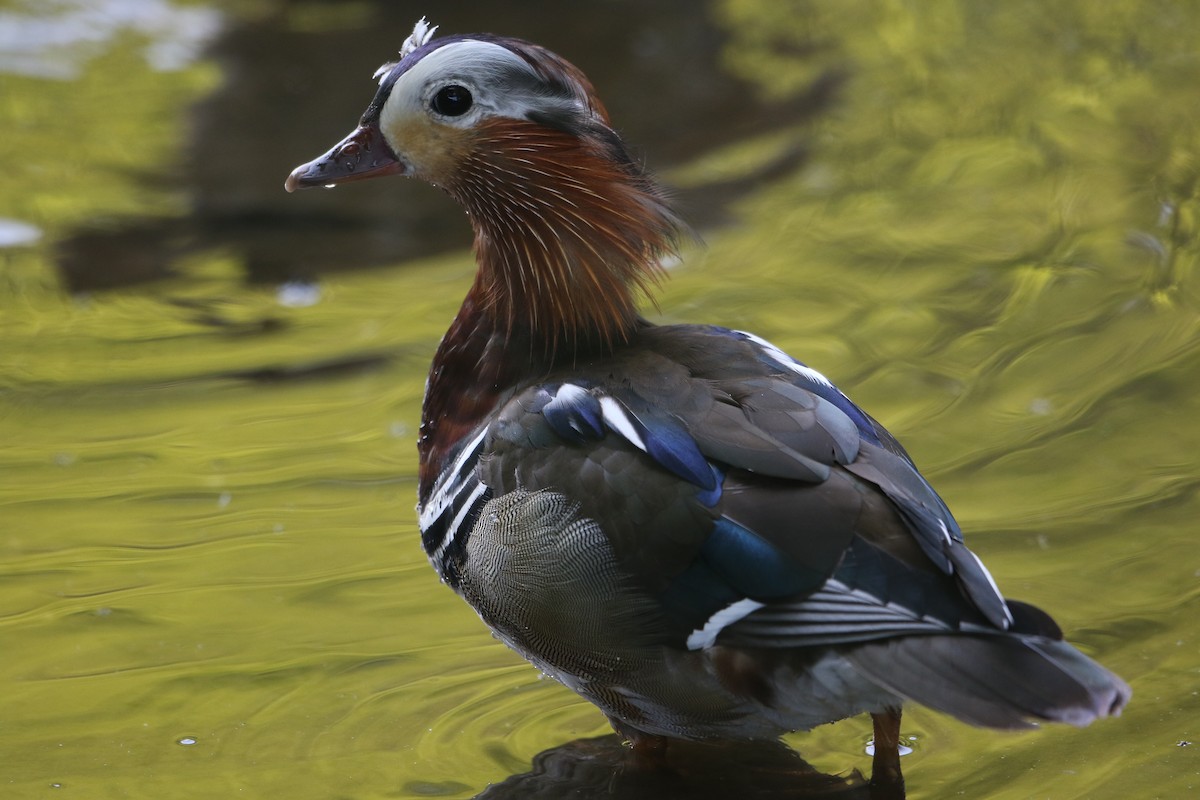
<point x="1003" y="680"/>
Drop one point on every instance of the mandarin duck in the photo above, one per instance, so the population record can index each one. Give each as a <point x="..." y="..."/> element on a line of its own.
<point x="696" y="532"/>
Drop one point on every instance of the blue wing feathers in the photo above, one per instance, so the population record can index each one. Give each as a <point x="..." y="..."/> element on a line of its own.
<point x="752" y="565"/>
<point x="577" y="415"/>
<point x="784" y="464"/>
<point x="574" y="413"/>
<point x="673" y="448"/>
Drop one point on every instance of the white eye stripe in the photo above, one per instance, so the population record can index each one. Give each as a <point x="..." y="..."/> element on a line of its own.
<point x="485" y="69"/>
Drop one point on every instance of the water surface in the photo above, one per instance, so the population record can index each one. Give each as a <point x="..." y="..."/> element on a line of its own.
<point x="980" y="219"/>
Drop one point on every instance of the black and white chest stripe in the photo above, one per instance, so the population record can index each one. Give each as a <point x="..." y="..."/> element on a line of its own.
<point x="453" y="507"/>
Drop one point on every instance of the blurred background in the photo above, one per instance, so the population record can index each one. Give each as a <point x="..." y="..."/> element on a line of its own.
<point x="980" y="219"/>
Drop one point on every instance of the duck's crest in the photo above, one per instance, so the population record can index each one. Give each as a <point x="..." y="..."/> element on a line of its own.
<point x="422" y="32"/>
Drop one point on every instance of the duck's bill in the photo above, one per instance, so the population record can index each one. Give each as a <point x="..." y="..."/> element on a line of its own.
<point x="362" y="154"/>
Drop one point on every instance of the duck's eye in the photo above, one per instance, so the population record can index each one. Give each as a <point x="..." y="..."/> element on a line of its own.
<point x="452" y="101"/>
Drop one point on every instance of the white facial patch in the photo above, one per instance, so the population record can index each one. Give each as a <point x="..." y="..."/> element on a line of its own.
<point x="484" y="69"/>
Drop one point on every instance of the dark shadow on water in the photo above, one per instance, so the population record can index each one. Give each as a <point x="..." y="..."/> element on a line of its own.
<point x="297" y="77"/>
<point x="604" y="768"/>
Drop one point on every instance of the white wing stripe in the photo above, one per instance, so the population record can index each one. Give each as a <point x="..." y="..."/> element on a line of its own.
<point x="702" y="638"/>
<point x="619" y="421"/>
<point x="1008" y="617"/>
<point x="835" y="614"/>
<point x="786" y="361"/>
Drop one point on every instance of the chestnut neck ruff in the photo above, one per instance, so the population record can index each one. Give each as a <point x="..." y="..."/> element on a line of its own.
<point x="569" y="230"/>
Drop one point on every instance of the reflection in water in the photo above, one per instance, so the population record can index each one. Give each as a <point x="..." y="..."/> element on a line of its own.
<point x="249" y="132"/>
<point x="57" y="45"/>
<point x="603" y="768"/>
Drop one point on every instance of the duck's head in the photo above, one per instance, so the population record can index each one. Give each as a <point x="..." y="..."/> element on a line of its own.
<point x="566" y="223"/>
<point x="446" y="98"/>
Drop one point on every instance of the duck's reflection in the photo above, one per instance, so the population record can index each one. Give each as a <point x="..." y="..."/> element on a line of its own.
<point x="604" y="768"/>
<point x="248" y="134"/>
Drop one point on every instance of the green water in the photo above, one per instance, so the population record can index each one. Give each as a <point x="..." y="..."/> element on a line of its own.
<point x="210" y="577"/>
